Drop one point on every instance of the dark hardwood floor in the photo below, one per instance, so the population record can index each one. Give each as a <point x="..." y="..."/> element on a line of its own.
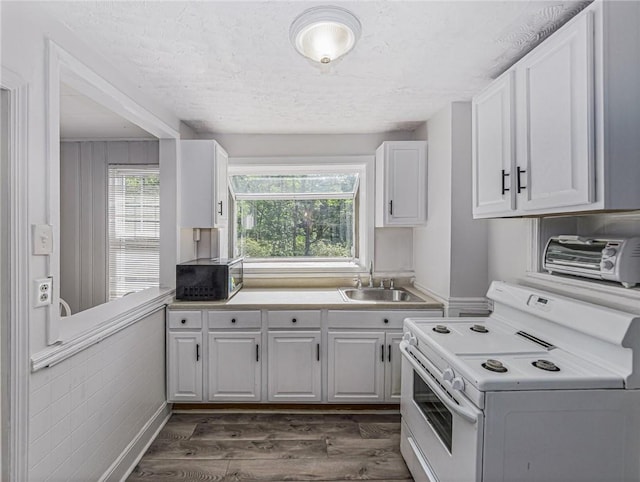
<point x="250" y="446"/>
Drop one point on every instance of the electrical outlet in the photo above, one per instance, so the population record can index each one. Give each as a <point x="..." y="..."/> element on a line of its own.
<point x="42" y="293"/>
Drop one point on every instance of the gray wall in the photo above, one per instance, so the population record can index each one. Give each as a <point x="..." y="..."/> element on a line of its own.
<point x="83" y="214"/>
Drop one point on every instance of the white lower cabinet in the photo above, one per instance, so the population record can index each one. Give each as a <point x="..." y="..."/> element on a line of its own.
<point x="393" y="367"/>
<point x="356" y="366"/>
<point x="364" y="366"/>
<point x="234" y="366"/>
<point x="294" y="366"/>
<point x="185" y="367"/>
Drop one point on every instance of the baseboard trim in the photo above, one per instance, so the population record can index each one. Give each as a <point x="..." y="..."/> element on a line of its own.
<point x="285" y="407"/>
<point x="459" y="306"/>
<point x="131" y="455"/>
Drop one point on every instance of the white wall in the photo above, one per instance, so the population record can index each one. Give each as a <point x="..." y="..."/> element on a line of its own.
<point x="124" y="373"/>
<point x="450" y="252"/>
<point x="85" y="411"/>
<point x="432" y="243"/>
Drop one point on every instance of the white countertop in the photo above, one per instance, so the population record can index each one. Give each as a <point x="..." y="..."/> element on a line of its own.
<point x="293" y="298"/>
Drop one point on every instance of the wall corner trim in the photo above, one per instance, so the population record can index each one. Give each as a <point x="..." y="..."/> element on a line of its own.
<point x="133" y="452"/>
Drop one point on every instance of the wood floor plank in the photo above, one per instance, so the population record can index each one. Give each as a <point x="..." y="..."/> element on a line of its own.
<point x="177" y="431"/>
<point x="274" y="431"/>
<point x="316" y="469"/>
<point x="379" y="430"/>
<point x="179" y="470"/>
<point x="236" y="449"/>
<point x="363" y="448"/>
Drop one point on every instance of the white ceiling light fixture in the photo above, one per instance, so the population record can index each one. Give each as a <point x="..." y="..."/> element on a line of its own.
<point x="324" y="34"/>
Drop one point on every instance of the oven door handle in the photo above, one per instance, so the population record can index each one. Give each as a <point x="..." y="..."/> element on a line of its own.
<point x="466" y="413"/>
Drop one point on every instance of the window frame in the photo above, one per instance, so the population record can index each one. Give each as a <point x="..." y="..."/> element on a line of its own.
<point x="364" y="222"/>
<point x="133" y="167"/>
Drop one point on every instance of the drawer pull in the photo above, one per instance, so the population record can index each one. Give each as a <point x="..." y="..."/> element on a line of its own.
<point x="293" y="320"/>
<point x="183" y="321"/>
<point x="386" y="320"/>
<point x="233" y="320"/>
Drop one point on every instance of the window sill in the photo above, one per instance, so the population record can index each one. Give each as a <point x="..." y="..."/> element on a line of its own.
<point x="593" y="291"/>
<point x="80" y="331"/>
<point x="302" y="269"/>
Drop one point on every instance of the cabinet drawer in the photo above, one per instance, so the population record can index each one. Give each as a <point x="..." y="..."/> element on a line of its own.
<point x="185" y="319"/>
<point x="375" y="319"/>
<point x="234" y="319"/>
<point x="294" y="319"/>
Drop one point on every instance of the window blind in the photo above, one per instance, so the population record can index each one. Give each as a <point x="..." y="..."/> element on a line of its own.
<point x="134" y="228"/>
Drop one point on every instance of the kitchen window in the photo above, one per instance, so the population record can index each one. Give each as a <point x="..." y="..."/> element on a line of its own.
<point x="299" y="216"/>
<point x="134" y="229"/>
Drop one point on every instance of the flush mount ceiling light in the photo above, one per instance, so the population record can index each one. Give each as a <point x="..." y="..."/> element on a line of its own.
<point x="324" y="34"/>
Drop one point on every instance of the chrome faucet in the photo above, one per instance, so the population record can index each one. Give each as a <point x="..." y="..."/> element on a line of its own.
<point x="371" y="274"/>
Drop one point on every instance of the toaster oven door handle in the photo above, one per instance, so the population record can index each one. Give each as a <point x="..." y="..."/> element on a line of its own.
<point x="465" y="412"/>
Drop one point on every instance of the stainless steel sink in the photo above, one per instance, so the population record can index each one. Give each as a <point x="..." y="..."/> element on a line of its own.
<point x="378" y="295"/>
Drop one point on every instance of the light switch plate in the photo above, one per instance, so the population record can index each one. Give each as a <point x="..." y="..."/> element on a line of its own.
<point x="42" y="239"/>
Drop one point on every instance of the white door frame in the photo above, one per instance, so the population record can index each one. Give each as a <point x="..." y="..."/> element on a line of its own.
<point x="16" y="344"/>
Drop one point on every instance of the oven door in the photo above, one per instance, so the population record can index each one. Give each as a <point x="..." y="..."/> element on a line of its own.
<point x="446" y="427"/>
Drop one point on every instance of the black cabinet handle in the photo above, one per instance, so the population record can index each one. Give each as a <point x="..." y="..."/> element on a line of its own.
<point x="518" y="180"/>
<point x="183" y="321"/>
<point x="389" y="353"/>
<point x="233" y="320"/>
<point x="257" y="352"/>
<point x="293" y="320"/>
<point x="382" y="353"/>
<point x="220" y="210"/>
<point x="318" y="351"/>
<point x="386" y="320"/>
<point x="197" y="351"/>
<point x="391" y="207"/>
<point x="504" y="176"/>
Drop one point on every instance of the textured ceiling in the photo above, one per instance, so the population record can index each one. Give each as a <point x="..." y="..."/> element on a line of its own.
<point x="228" y="67"/>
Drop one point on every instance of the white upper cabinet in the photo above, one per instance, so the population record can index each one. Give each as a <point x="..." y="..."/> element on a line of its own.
<point x="494" y="148"/>
<point x="569" y="110"/>
<point x="555" y="159"/>
<point x="204" y="191"/>
<point x="401" y="183"/>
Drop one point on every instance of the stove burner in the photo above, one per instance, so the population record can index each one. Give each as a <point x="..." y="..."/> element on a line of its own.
<point x="479" y="328"/>
<point x="546" y="365"/>
<point x="494" y="366"/>
<point x="441" y="329"/>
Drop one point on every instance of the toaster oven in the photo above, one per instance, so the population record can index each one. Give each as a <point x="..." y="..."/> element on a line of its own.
<point x="612" y="259"/>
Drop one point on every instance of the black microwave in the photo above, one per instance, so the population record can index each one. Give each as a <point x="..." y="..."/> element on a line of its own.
<point x="208" y="279"/>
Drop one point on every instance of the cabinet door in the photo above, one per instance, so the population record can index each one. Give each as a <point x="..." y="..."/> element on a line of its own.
<point x="294" y="366"/>
<point x="221" y="187"/>
<point x="393" y="367"/>
<point x="494" y="148"/>
<point x="197" y="174"/>
<point x="401" y="171"/>
<point x="356" y="366"/>
<point x="556" y="123"/>
<point x="185" y="367"/>
<point x="234" y="366"/>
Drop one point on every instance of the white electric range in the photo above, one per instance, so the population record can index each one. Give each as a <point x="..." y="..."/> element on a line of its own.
<point x="545" y="389"/>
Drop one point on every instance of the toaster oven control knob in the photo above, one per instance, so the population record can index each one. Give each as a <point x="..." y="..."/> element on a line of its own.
<point x="607" y="265"/>
<point x="448" y="375"/>
<point x="457" y="384"/>
<point x="609" y="251"/>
